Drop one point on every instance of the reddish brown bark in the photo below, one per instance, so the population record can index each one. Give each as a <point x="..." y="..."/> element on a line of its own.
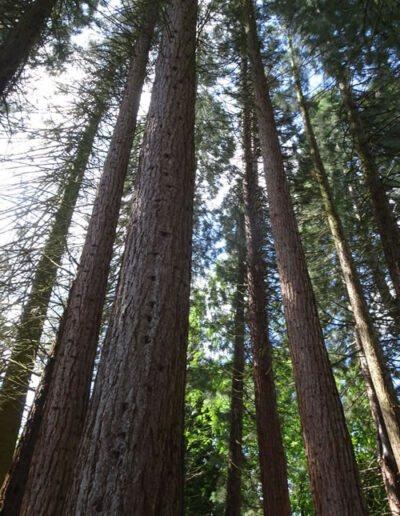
<point x="271" y="453"/>
<point x="386" y="221"/>
<point x="335" y="483"/>
<point x="18" y="45"/>
<point x="68" y="394"/>
<point x="29" y="330"/>
<point x="235" y="464"/>
<point x="131" y="456"/>
<point x="376" y="363"/>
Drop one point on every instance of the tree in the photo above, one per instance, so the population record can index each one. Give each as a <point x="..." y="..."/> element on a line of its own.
<point x="76" y="343"/>
<point x="235" y="455"/>
<point x="26" y="33"/>
<point x="333" y="472"/>
<point x="18" y="373"/>
<point x="131" y="455"/>
<point x="272" y="456"/>
<point x="374" y="357"/>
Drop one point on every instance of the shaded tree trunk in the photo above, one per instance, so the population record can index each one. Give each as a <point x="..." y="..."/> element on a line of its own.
<point x="17" y="47"/>
<point x="334" y="477"/>
<point x="386" y="461"/>
<point x="376" y="362"/>
<point x="235" y="464"/>
<point x="17" y="376"/>
<point x="65" y="408"/>
<point x="270" y="445"/>
<point x="131" y="455"/>
<point x="387" y="225"/>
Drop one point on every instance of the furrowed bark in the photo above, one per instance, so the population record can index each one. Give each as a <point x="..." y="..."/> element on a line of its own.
<point x="270" y="445"/>
<point x="17" y="377"/>
<point x="372" y="350"/>
<point x="18" y="45"/>
<point x="235" y="464"/>
<point x="131" y="455"/>
<point x="334" y="477"/>
<point x="65" y="408"/>
<point x="387" y="225"/>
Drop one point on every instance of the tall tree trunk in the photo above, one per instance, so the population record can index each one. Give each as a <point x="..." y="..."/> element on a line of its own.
<point x="131" y="455"/>
<point x="372" y="262"/>
<point x="235" y="464"/>
<point x="334" y="477"/>
<point x="17" y="376"/>
<point x="386" y="461"/>
<point x="17" y="47"/>
<point x="387" y="225"/>
<point x="379" y="372"/>
<point x="271" y="453"/>
<point x="65" y="408"/>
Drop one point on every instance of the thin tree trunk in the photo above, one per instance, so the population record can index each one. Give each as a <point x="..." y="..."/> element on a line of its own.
<point x="235" y="464"/>
<point x="17" y="376"/>
<point x="65" y="409"/>
<point x="386" y="461"/>
<point x="379" y="372"/>
<point x="270" y="445"/>
<point x="17" y="47"/>
<point x="131" y="455"/>
<point x="372" y="262"/>
<point x="334" y="477"/>
<point x="387" y="225"/>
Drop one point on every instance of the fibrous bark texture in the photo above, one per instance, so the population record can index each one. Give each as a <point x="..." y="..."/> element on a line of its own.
<point x="335" y="484"/>
<point x="387" y="225"/>
<point x="75" y="348"/>
<point x="375" y="360"/>
<point x="131" y="457"/>
<point x="18" y="45"/>
<point x="235" y="464"/>
<point x="17" y="377"/>
<point x="271" y="453"/>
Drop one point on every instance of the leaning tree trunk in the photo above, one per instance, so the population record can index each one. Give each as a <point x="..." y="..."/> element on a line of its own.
<point x="334" y="477"/>
<point x="235" y="464"/>
<point x="75" y="348"/>
<point x="17" y="47"/>
<point x="386" y="461"/>
<point x="387" y="225"/>
<point x="131" y="455"/>
<point x="270" y="445"/>
<point x="17" y="376"/>
<point x="377" y="367"/>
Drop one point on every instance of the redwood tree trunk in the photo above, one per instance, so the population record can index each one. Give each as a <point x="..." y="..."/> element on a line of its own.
<point x="131" y="456"/>
<point x="15" y="50"/>
<point x="65" y="409"/>
<point x="17" y="376"/>
<point x="235" y="464"/>
<point x="386" y="461"/>
<point x="334" y="477"/>
<point x="387" y="225"/>
<point x="375" y="360"/>
<point x="271" y="453"/>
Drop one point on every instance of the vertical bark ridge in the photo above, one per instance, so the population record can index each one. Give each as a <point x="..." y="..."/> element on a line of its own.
<point x="380" y="375"/>
<point x="270" y="445"/>
<point x="131" y="455"/>
<point x="335" y="483"/>
<point x="75" y="348"/>
<point x="17" y="376"/>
